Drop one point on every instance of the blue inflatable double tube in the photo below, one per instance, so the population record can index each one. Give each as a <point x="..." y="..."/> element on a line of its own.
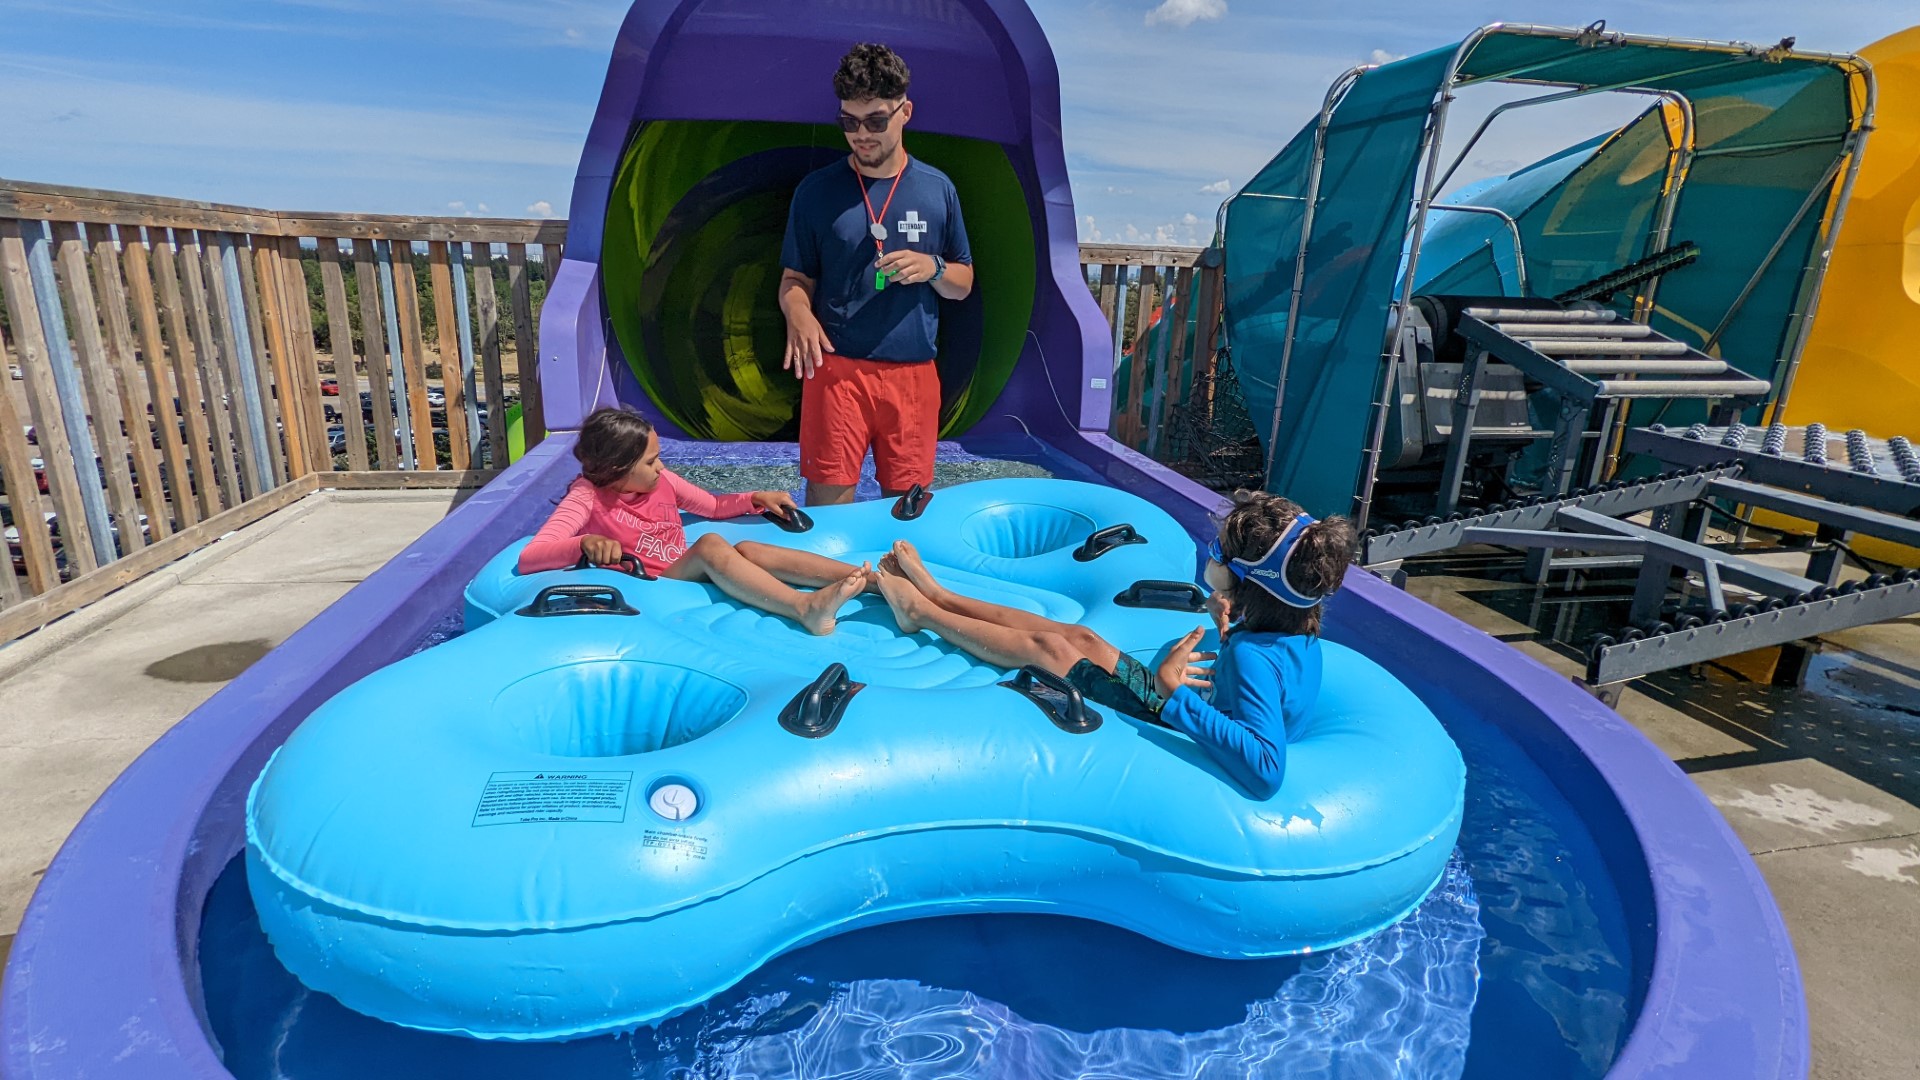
<point x="562" y="825"/>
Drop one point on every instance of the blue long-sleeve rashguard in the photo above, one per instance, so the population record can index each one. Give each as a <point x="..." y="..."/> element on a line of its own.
<point x="1262" y="683"/>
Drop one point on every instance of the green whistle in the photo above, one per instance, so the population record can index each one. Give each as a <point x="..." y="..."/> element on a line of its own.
<point x="880" y="278"/>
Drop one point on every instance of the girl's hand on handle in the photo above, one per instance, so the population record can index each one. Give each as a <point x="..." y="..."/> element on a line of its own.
<point x="600" y="550"/>
<point x="779" y="502"/>
<point x="1184" y="667"/>
<point x="1220" y="606"/>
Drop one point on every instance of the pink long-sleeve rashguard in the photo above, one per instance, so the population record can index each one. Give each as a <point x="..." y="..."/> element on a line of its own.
<point x="647" y="526"/>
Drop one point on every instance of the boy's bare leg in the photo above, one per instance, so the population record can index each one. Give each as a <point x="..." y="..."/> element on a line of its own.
<point x="713" y="559"/>
<point x="798" y="567"/>
<point x="907" y="560"/>
<point x="1000" y="645"/>
<point x="829" y="494"/>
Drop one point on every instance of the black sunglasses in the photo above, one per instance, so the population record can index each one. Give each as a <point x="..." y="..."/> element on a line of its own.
<point x="875" y="123"/>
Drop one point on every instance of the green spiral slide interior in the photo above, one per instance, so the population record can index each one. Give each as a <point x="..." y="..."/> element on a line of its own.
<point x="692" y="261"/>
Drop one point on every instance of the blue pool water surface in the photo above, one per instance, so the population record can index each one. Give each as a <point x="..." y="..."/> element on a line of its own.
<point x="1516" y="966"/>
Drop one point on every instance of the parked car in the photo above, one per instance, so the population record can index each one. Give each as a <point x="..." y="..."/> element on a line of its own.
<point x="330" y="387"/>
<point x="436" y="397"/>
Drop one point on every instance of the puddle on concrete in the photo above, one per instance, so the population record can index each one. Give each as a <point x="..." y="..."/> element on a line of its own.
<point x="218" y="662"/>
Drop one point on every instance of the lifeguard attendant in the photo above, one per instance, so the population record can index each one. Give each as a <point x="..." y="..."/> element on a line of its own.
<point x="873" y="244"/>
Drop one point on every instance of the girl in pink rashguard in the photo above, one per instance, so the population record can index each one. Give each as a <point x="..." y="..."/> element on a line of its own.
<point x="626" y="502"/>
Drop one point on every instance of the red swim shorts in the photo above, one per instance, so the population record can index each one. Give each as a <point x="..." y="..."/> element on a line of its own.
<point x="850" y="405"/>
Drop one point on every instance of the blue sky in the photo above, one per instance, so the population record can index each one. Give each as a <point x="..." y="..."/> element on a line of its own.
<point x="480" y="106"/>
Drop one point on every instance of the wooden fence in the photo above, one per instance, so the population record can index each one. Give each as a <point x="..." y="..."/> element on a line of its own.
<point x="214" y="363"/>
<point x="1164" y="304"/>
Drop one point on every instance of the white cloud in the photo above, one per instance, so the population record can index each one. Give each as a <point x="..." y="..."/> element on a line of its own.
<point x="482" y="207"/>
<point x="1186" y="12"/>
<point x="1218" y="188"/>
<point x="1382" y="56"/>
<point x="456" y="206"/>
<point x="541" y="209"/>
<point x="1090" y="230"/>
<point x="1189" y="219"/>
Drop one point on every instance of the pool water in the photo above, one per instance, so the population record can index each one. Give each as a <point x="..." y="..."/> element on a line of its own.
<point x="1516" y="966"/>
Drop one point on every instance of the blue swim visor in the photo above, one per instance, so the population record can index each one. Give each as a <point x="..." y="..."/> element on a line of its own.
<point x="1270" y="570"/>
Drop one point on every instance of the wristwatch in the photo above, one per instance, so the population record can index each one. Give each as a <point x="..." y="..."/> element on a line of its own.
<point x="939" y="269"/>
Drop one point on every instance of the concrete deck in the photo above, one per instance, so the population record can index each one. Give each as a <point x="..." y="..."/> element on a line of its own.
<point x="84" y="696"/>
<point x="1821" y="783"/>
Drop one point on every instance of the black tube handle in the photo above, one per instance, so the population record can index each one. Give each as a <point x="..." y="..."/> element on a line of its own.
<point x="798" y="523"/>
<point x="557" y="600"/>
<point x="910" y="505"/>
<point x="1071" y="715"/>
<point x="1101" y="541"/>
<point x="628" y="565"/>
<point x="815" y="711"/>
<point x="1163" y="595"/>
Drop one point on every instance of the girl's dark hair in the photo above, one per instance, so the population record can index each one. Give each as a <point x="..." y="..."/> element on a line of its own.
<point x="871" y="71"/>
<point x="1318" y="566"/>
<point x="611" y="440"/>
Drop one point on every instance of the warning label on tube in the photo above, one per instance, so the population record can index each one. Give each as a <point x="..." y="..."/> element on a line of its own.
<point x="519" y="798"/>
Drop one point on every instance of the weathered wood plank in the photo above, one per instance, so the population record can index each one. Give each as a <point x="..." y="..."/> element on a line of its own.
<point x="372" y="323"/>
<point x="192" y="394"/>
<point x="160" y="387"/>
<point x="487" y="316"/>
<point x="45" y="407"/>
<point x="41" y="610"/>
<point x="16" y="468"/>
<point x="406" y="287"/>
<point x="410" y="480"/>
<point x="302" y="360"/>
<point x="93" y="205"/>
<point x="447" y="324"/>
<point x="282" y="430"/>
<point x="1149" y="292"/>
<point x="340" y="331"/>
<point x="1140" y="255"/>
<point x="102" y="395"/>
<point x="1207" y="343"/>
<point x="189" y="254"/>
<point x="1109" y="274"/>
<point x="236" y="368"/>
<point x="1170" y="364"/>
<point x="186" y="373"/>
<point x="526" y="349"/>
<point x="304" y="363"/>
<point x="136" y="411"/>
<point x="463" y="303"/>
<point x="269" y="301"/>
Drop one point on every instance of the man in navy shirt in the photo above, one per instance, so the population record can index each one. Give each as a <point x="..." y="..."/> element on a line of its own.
<point x="873" y="244"/>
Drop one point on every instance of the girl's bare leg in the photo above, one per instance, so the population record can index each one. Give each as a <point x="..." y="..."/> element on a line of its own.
<point x="907" y="560"/>
<point x="713" y="559"/>
<point x="1003" y="646"/>
<point x="797" y="567"/>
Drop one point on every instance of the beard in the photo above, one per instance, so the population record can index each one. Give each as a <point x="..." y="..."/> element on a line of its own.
<point x="876" y="157"/>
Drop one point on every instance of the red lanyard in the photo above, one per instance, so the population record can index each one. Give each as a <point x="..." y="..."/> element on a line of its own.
<point x="879" y="245"/>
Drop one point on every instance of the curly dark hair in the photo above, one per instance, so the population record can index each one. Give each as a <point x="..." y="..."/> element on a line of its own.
<point x="1317" y="568"/>
<point x="611" y="440"/>
<point x="871" y="71"/>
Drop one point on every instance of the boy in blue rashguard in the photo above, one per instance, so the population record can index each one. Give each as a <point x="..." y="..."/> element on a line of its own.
<point x="1271" y="566"/>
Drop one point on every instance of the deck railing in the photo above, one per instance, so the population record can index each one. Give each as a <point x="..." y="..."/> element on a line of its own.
<point x="216" y="362"/>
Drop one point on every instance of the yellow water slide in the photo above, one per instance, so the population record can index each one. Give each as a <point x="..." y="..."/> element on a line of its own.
<point x="1861" y="368"/>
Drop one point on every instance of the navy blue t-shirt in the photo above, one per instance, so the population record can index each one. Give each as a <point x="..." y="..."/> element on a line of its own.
<point x="828" y="239"/>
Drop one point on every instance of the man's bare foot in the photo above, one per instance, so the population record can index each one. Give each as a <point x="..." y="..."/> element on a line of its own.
<point x="820" y="610"/>
<point x="907" y="602"/>
<point x="907" y="558"/>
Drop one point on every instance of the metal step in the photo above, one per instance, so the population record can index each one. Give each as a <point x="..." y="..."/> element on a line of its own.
<point x="1538" y="329"/>
<point x="1634" y="366"/>
<point x="1682" y="388"/>
<point x="1594" y="347"/>
<point x="1524" y="315"/>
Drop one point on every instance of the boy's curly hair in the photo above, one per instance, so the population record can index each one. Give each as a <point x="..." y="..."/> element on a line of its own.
<point x="1317" y="568"/>
<point x="871" y="71"/>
